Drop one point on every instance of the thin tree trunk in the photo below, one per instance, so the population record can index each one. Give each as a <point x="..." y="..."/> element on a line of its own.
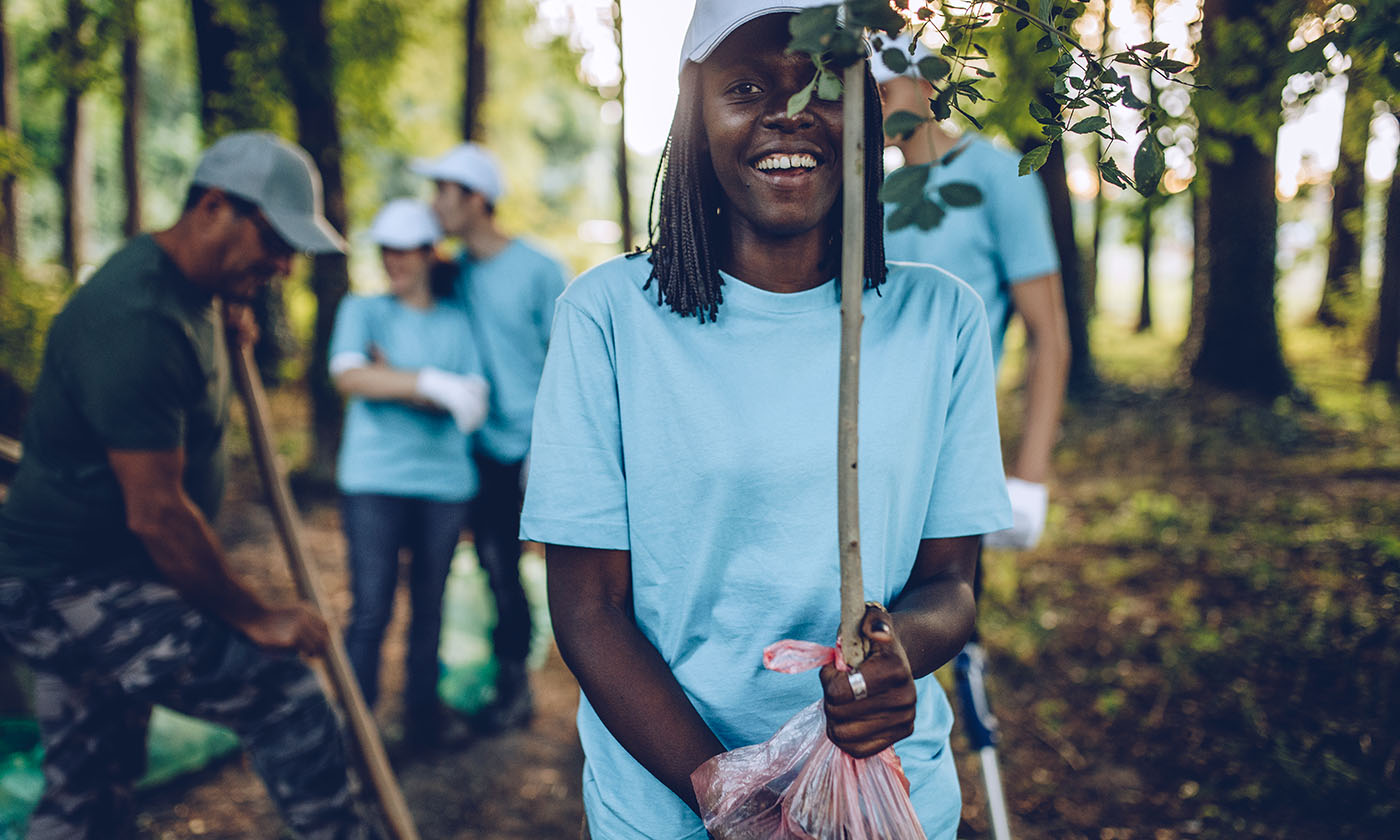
<point x="1145" y="301"/>
<point x="624" y="189"/>
<point x="215" y="43"/>
<point x="1385" y="331"/>
<point x="10" y="128"/>
<point x="131" y="116"/>
<point x="1200" y="272"/>
<point x="474" y="87"/>
<point x="1083" y="379"/>
<point x="75" y="163"/>
<point x="309" y="74"/>
<point x="1348" y="195"/>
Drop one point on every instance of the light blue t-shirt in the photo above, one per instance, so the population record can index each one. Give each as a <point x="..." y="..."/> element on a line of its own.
<point x="1004" y="240"/>
<point x="510" y="299"/>
<point x="709" y="452"/>
<point x="391" y="447"/>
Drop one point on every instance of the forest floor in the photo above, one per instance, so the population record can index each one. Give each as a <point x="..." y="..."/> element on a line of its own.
<point x="1206" y="644"/>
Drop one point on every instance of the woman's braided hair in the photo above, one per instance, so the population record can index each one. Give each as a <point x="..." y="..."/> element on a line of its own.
<point x="682" y="240"/>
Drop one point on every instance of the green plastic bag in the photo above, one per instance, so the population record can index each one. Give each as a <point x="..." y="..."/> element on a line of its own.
<point x="466" y="661"/>
<point x="176" y="745"/>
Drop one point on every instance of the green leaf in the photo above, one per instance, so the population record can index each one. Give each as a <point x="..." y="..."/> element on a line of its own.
<point x="1022" y="23"/>
<point x="1148" y="164"/>
<point x="896" y="60"/>
<point x="906" y="184"/>
<point x="1169" y="65"/>
<point x="928" y="215"/>
<point x="876" y="14"/>
<point x="902" y="216"/>
<point x="960" y="194"/>
<point x="902" y="124"/>
<point x="933" y="67"/>
<point x="828" y="86"/>
<point x="1034" y="159"/>
<point x="1044" y="44"/>
<point x="948" y="50"/>
<point x="798" y="101"/>
<point x="1089" y="125"/>
<point x="1151" y="47"/>
<point x="1111" y="173"/>
<point x="1041" y="113"/>
<point x="811" y="29"/>
<point x="940" y="104"/>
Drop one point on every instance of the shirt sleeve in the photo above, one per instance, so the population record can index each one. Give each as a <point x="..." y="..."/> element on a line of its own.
<point x="577" y="490"/>
<point x="969" y="487"/>
<point x="351" y="333"/>
<point x="1019" y="215"/>
<point x="135" y="381"/>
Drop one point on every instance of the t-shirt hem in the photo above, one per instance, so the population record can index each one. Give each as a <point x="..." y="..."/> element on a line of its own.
<point x="582" y="533"/>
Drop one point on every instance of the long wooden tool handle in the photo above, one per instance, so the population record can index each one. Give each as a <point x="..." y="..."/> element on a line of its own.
<point x="853" y="645"/>
<point x="366" y="733"/>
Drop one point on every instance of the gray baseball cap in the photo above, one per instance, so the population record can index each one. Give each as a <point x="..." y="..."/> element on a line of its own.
<point x="280" y="178"/>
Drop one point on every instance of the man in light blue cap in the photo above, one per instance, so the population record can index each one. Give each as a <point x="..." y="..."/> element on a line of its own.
<point x="508" y="287"/>
<point x="112" y="583"/>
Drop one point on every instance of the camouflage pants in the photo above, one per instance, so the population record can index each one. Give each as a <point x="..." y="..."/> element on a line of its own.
<point x="104" y="651"/>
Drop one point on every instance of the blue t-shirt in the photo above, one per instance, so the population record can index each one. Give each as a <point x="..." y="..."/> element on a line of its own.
<point x="391" y="447"/>
<point x="1004" y="240"/>
<point x="709" y="452"/>
<point x="510" y="299"/>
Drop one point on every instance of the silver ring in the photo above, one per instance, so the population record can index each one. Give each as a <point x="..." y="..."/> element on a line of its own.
<point x="857" y="681"/>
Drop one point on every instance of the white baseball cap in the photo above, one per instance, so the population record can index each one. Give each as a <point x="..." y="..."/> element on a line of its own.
<point x="277" y="176"/>
<point x="405" y="224"/>
<point x="902" y="43"/>
<point x="715" y="20"/>
<point x="469" y="165"/>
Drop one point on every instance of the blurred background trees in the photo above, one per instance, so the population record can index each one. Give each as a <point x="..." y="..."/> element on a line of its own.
<point x="105" y="104"/>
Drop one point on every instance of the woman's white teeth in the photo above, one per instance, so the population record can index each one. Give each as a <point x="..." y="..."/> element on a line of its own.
<point x="799" y="161"/>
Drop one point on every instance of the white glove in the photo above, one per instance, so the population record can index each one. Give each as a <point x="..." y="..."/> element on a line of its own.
<point x="1028" y="504"/>
<point x="464" y="397"/>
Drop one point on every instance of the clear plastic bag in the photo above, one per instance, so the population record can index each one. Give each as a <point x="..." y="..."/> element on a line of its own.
<point x="798" y="785"/>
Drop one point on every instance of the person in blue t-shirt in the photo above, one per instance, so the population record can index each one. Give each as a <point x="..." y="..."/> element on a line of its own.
<point x="508" y="287"/>
<point x="409" y="365"/>
<point x="683" y="456"/>
<point x="1004" y="248"/>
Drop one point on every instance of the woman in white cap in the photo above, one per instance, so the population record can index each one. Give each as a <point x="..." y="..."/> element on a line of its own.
<point x="409" y="365"/>
<point x="683" y="473"/>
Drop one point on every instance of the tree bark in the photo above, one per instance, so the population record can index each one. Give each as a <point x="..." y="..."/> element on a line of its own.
<point x="1239" y="348"/>
<point x="1348" y="195"/>
<point x="75" y="162"/>
<point x="624" y="189"/>
<point x="10" y="129"/>
<point x="1083" y="379"/>
<point x="215" y="43"/>
<point x="1144" y="322"/>
<point x="310" y="79"/>
<point x="132" y="107"/>
<point x="474" y="86"/>
<point x="1385" y="331"/>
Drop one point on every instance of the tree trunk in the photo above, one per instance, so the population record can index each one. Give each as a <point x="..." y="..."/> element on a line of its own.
<point x="474" y="86"/>
<point x="215" y="43"/>
<point x="10" y="130"/>
<point x="75" y="162"/>
<point x="1145" y="302"/>
<point x="310" y="79"/>
<point x="131" y="116"/>
<point x="1083" y="380"/>
<point x="1200" y="271"/>
<point x="1239" y="347"/>
<point x="1348" y="195"/>
<point x="624" y="189"/>
<point x="1385" y="333"/>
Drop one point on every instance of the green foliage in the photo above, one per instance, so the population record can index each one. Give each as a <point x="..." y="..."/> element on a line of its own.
<point x="1079" y="79"/>
<point x="30" y="304"/>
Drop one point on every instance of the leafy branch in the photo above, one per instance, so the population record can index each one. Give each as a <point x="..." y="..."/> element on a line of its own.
<point x="832" y="36"/>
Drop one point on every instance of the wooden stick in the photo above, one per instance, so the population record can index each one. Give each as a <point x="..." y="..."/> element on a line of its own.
<point x="853" y="644"/>
<point x="362" y="726"/>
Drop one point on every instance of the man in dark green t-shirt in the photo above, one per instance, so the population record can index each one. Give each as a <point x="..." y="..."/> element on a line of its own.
<point x="112" y="584"/>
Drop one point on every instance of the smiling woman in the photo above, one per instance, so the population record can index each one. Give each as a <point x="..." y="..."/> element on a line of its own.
<point x="681" y="467"/>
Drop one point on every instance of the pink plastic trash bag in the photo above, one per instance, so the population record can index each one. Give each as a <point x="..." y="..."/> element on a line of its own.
<point x="798" y="785"/>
